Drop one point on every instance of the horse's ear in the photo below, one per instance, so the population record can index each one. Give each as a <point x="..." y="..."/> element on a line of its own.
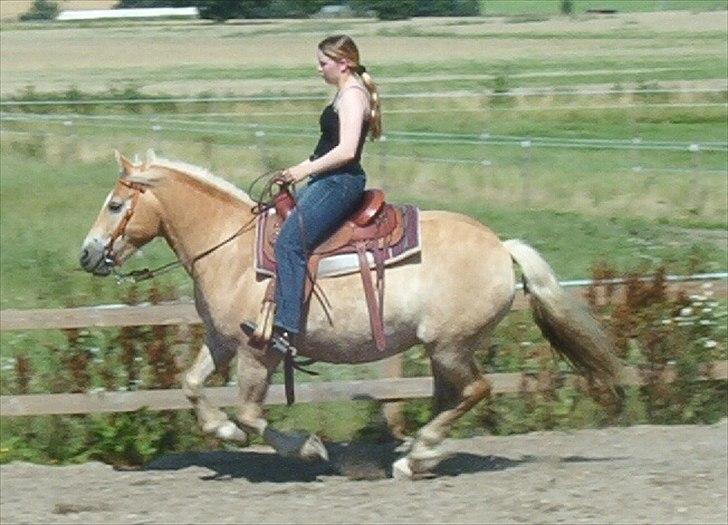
<point x="151" y="157"/>
<point x="123" y="162"/>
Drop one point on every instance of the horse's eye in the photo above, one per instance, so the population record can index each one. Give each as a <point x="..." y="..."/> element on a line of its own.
<point x="115" y="206"/>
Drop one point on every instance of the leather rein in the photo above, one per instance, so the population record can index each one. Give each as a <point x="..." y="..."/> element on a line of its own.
<point x="144" y="274"/>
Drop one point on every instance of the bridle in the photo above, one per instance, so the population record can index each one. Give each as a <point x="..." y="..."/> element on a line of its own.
<point x="136" y="276"/>
<point x="120" y="229"/>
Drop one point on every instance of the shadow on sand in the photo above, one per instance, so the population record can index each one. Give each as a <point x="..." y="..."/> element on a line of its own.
<point x="356" y="461"/>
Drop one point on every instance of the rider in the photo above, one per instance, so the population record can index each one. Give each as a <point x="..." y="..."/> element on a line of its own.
<point x="337" y="180"/>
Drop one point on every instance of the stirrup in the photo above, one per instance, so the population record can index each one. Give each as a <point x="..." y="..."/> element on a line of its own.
<point x="283" y="345"/>
<point x="276" y="341"/>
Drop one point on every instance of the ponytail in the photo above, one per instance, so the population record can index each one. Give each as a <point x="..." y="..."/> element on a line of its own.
<point x="375" y="118"/>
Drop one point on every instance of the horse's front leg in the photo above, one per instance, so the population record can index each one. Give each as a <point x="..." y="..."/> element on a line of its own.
<point x="254" y="375"/>
<point x="212" y="420"/>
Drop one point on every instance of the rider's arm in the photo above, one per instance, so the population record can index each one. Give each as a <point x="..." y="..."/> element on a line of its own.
<point x="352" y="106"/>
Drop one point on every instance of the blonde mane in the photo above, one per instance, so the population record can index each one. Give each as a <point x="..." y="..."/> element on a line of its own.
<point x="146" y="175"/>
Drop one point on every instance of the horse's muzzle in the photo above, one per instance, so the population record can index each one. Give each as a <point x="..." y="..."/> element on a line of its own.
<point x="93" y="258"/>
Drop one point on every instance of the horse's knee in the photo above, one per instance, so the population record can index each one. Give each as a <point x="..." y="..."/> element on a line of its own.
<point x="191" y="385"/>
<point x="478" y="389"/>
<point x="194" y="378"/>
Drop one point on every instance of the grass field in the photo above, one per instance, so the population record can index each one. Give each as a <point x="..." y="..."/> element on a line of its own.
<point x="10" y="9"/>
<point x="189" y="58"/>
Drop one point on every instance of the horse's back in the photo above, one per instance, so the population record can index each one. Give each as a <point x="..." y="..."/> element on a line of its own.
<point x="455" y="236"/>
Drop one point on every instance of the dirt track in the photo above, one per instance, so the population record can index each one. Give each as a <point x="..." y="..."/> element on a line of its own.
<point x="642" y="474"/>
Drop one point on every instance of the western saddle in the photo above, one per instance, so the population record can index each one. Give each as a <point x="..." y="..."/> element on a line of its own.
<point x="373" y="228"/>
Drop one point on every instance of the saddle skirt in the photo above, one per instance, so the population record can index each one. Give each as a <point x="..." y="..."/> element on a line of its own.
<point x="392" y="231"/>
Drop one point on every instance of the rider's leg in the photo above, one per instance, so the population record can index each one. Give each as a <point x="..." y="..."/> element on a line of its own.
<point x="320" y="210"/>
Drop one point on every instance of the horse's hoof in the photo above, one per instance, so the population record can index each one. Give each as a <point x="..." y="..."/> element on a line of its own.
<point x="401" y="469"/>
<point x="406" y="445"/>
<point x="229" y="431"/>
<point x="313" y="449"/>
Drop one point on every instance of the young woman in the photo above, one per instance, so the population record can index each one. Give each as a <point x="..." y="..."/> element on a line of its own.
<point x="336" y="178"/>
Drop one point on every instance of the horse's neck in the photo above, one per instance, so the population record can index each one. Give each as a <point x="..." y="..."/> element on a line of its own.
<point x="200" y="226"/>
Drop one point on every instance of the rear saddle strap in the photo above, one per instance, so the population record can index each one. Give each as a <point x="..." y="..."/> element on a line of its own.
<point x="375" y="305"/>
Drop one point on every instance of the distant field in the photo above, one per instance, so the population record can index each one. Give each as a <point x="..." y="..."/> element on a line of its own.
<point x="188" y="58"/>
<point x="10" y="9"/>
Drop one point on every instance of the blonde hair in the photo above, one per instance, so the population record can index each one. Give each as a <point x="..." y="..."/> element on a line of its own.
<point x="342" y="47"/>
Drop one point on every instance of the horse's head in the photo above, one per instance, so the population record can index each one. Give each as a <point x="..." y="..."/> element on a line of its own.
<point x="128" y="220"/>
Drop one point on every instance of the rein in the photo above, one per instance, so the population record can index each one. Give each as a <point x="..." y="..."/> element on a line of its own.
<point x="144" y="274"/>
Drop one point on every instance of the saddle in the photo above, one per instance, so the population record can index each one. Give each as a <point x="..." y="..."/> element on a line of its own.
<point x="370" y="233"/>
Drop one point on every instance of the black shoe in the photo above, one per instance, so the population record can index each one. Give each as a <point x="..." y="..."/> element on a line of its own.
<point x="281" y="341"/>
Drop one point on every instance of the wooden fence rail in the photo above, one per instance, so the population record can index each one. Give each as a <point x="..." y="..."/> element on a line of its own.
<point x="184" y="312"/>
<point x="390" y="389"/>
<point x="386" y="389"/>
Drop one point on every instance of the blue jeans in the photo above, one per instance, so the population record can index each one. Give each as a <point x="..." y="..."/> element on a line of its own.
<point x="321" y="208"/>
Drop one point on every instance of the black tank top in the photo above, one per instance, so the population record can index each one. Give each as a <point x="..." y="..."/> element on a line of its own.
<point x="329" y="124"/>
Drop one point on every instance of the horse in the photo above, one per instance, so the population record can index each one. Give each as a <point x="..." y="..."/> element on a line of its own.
<point x="448" y="298"/>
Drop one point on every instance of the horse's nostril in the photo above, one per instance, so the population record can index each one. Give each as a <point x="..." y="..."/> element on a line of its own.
<point x="84" y="256"/>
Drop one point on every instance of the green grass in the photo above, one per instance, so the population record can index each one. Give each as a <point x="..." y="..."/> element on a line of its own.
<point x="472" y="75"/>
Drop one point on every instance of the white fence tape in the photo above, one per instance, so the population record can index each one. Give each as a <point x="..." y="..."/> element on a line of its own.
<point x="216" y="127"/>
<point x="278" y="98"/>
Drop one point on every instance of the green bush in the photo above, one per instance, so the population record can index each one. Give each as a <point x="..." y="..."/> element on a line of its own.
<point x="41" y="10"/>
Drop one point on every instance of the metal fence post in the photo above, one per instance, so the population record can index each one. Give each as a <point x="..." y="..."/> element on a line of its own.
<point x="700" y="196"/>
<point x="525" y="168"/>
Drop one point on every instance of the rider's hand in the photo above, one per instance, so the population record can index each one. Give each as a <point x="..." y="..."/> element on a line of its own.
<point x="295" y="174"/>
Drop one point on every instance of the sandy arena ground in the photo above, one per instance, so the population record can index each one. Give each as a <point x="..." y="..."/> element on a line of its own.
<point x="641" y="474"/>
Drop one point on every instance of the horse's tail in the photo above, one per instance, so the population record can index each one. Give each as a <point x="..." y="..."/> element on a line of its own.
<point x="570" y="328"/>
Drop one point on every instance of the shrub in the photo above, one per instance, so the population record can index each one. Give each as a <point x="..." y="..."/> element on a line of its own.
<point x="41" y="10"/>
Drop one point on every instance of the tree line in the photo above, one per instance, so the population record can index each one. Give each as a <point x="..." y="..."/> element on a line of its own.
<point x="222" y="10"/>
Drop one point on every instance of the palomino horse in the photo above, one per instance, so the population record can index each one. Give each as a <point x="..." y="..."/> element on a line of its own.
<point x="449" y="299"/>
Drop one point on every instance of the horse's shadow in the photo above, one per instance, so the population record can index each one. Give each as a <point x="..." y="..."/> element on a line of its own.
<point x="356" y="461"/>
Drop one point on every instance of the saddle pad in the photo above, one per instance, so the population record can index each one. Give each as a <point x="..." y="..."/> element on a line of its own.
<point x="346" y="263"/>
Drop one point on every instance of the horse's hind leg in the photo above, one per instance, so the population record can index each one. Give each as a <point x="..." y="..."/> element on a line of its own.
<point x="459" y="385"/>
<point x="212" y="420"/>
